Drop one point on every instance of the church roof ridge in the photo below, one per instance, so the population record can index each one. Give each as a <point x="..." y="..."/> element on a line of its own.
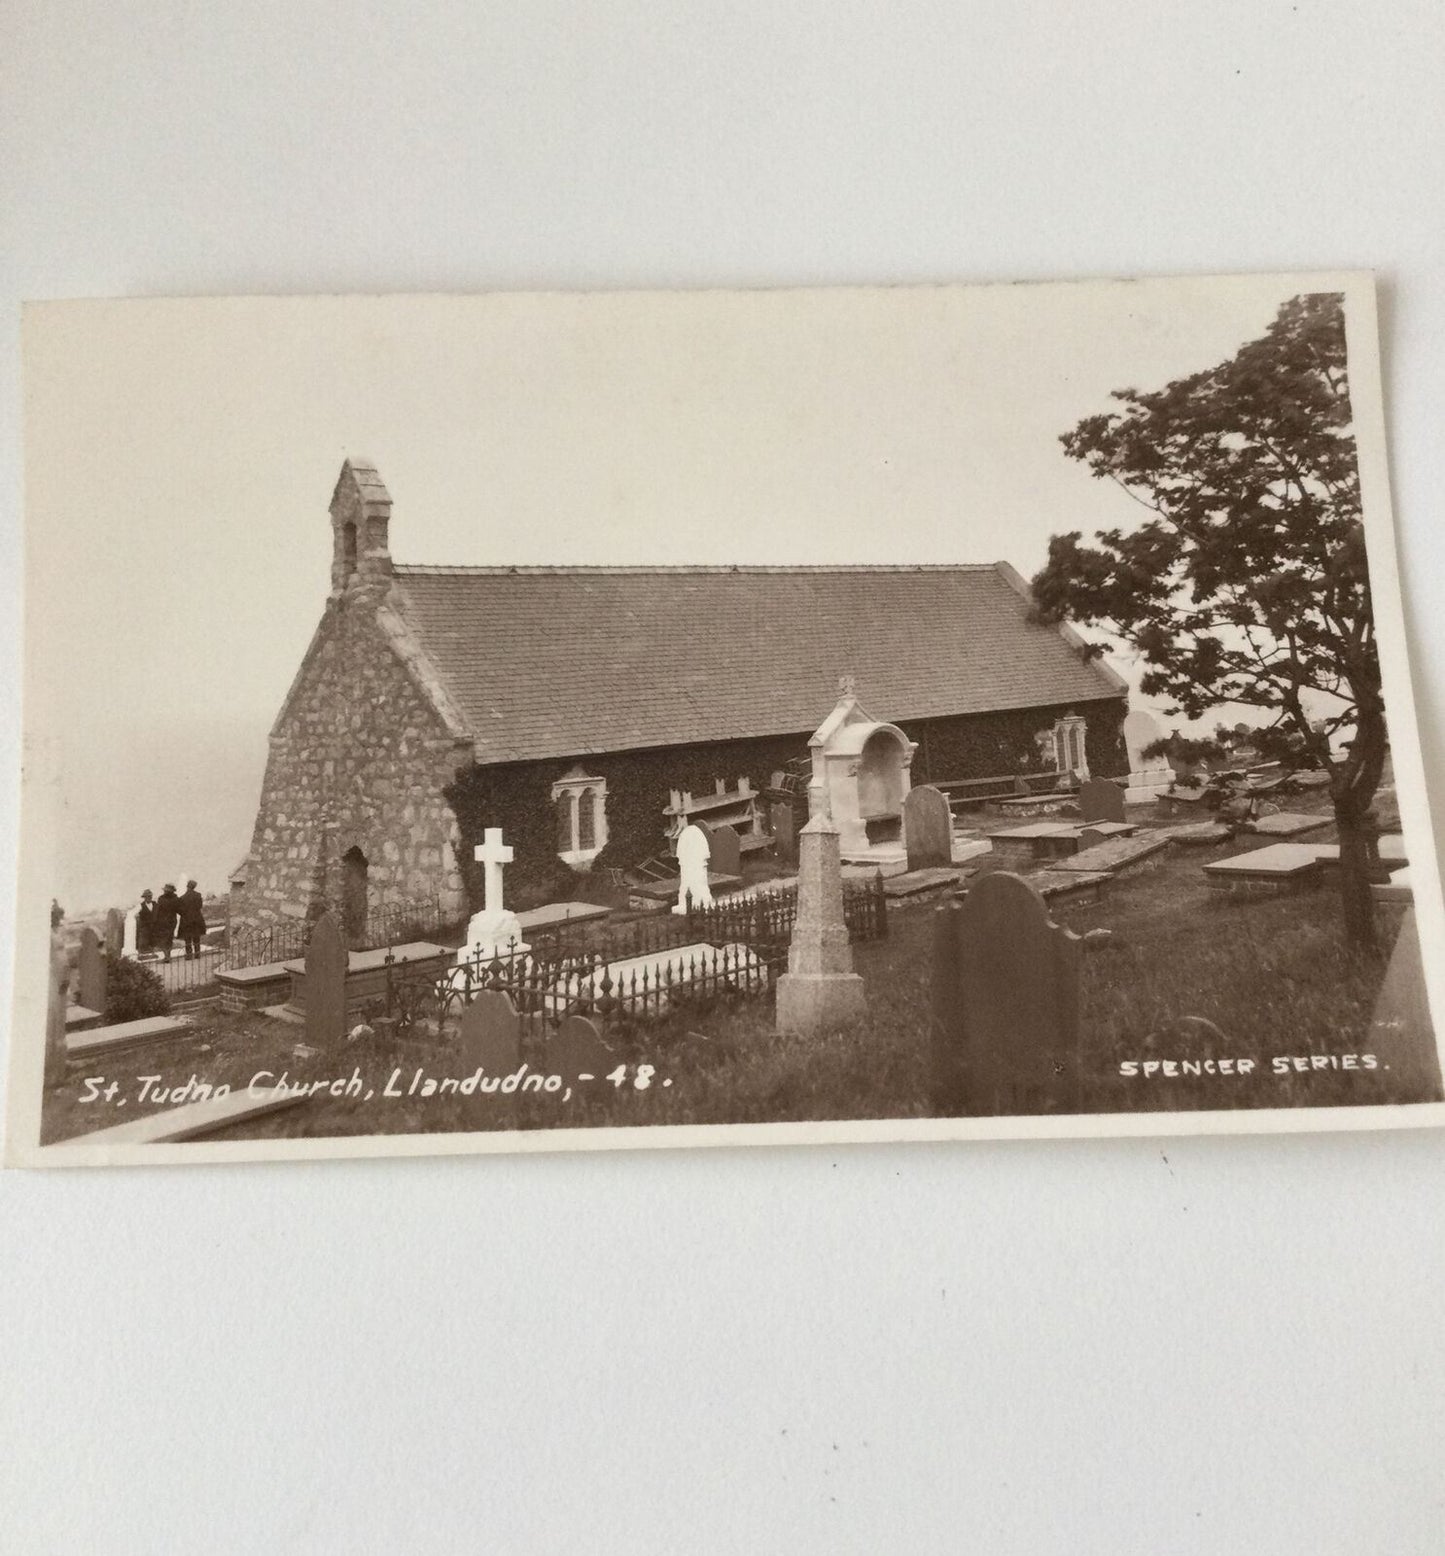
<point x="567" y="569"/>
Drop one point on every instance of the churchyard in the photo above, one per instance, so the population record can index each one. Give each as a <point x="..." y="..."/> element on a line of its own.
<point x="1174" y="962"/>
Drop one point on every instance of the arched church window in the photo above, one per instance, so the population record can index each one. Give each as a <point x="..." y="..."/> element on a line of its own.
<point x="1070" y="755"/>
<point x="581" y="802"/>
<point x="348" y="547"/>
<point x="587" y="820"/>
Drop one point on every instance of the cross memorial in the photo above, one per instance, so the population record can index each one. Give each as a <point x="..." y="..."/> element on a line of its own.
<point x="493" y="854"/>
<point x="496" y="931"/>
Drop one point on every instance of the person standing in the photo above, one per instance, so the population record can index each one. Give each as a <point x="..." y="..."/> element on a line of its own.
<point x="163" y="926"/>
<point x="193" y="920"/>
<point x="145" y="924"/>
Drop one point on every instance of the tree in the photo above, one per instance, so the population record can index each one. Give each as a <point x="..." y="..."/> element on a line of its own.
<point x="1247" y="581"/>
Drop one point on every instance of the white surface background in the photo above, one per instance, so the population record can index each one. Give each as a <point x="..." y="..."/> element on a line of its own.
<point x="1052" y="1347"/>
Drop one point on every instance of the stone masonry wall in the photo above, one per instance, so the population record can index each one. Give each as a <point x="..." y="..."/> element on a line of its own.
<point x="360" y="759"/>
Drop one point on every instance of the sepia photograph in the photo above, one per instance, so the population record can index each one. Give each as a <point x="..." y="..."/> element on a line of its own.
<point x="546" y="720"/>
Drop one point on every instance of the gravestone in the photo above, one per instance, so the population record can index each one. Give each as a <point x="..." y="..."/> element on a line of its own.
<point x="693" y="852"/>
<point x="1089" y="837"/>
<point x="785" y="830"/>
<point x="727" y="852"/>
<point x="114" y="932"/>
<point x="1100" y="800"/>
<point x="490" y="1034"/>
<point x="820" y="991"/>
<point x="1149" y="776"/>
<point x="927" y="828"/>
<point x="91" y="980"/>
<point x="1005" y="1004"/>
<point x="578" y="1054"/>
<point x="326" y="962"/>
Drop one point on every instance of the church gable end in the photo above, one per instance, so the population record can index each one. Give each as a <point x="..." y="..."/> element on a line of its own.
<point x="352" y="814"/>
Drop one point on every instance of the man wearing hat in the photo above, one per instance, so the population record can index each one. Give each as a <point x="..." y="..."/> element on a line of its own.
<point x="193" y="921"/>
<point x="163" y="926"/>
<point x="145" y="924"/>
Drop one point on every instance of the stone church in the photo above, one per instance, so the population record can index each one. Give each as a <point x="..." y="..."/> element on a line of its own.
<point x="578" y="707"/>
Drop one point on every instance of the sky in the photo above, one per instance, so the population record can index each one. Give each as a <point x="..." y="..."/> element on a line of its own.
<point x="181" y="454"/>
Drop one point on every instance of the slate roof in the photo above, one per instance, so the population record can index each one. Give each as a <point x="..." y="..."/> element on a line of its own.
<point x="556" y="661"/>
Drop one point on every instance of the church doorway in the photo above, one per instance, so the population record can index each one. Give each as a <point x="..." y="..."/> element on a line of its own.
<point x="353" y="896"/>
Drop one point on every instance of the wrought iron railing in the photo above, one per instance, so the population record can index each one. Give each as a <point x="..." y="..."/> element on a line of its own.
<point x="737" y="946"/>
<point x="388" y="924"/>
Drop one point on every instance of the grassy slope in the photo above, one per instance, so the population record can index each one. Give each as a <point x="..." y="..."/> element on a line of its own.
<point x="1270" y="973"/>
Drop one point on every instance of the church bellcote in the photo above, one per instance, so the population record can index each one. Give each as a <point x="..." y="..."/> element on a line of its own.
<point x="360" y="515"/>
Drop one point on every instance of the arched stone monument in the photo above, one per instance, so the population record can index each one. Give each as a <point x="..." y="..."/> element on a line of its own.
<point x="863" y="767"/>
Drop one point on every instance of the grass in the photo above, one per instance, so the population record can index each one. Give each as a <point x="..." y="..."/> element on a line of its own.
<point x="1271" y="974"/>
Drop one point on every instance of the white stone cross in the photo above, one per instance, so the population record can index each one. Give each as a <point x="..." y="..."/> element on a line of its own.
<point x="493" y="854"/>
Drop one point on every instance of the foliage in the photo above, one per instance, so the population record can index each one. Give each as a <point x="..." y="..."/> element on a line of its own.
<point x="1247" y="581"/>
<point x="133" y="991"/>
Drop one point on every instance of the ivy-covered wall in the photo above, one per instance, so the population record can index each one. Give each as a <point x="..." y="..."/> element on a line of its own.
<point x="989" y="745"/>
<point x="518" y="796"/>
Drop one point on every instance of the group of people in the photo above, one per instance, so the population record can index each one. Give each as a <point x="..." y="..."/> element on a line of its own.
<point x="159" y="919"/>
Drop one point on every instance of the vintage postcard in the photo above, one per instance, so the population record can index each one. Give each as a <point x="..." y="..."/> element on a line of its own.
<point x="542" y="721"/>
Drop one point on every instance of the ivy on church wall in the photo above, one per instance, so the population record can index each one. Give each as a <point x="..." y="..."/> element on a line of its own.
<point x="517" y="796"/>
<point x="992" y="745"/>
